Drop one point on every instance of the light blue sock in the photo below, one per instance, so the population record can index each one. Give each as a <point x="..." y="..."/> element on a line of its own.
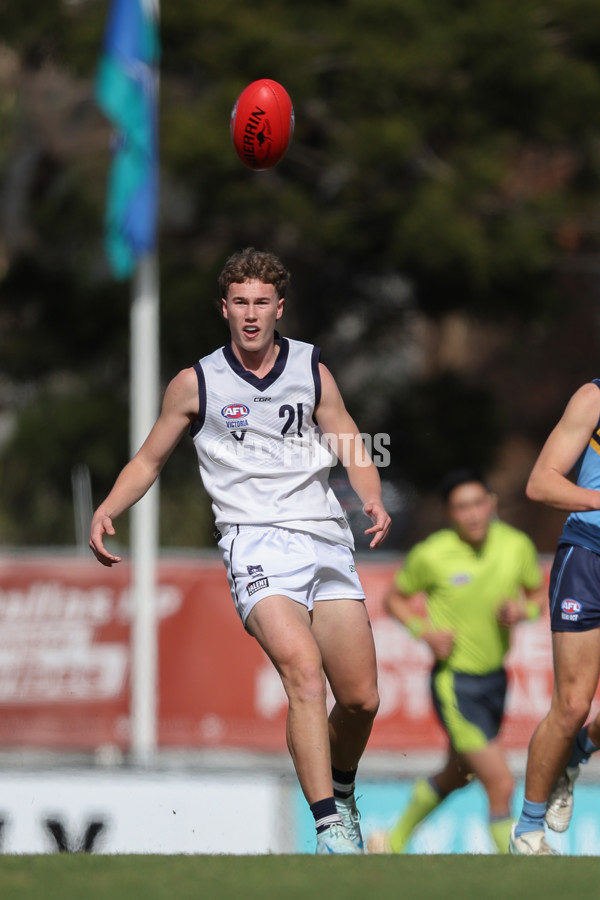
<point x="582" y="749"/>
<point x="532" y="818"/>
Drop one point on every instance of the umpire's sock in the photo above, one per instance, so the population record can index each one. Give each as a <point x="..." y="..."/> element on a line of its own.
<point x="500" y="831"/>
<point x="423" y="801"/>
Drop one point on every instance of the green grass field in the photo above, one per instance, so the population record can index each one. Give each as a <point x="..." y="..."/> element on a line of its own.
<point x="478" y="877"/>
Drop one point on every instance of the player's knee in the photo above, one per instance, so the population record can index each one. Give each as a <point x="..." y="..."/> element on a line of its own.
<point x="364" y="703"/>
<point x="304" y="680"/>
<point x="369" y="705"/>
<point x="372" y="706"/>
<point x="572" y="712"/>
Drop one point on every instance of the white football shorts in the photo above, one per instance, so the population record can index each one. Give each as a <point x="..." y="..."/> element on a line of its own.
<point x="262" y="561"/>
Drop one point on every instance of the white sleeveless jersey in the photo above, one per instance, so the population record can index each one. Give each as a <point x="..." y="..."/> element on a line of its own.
<point x="261" y="454"/>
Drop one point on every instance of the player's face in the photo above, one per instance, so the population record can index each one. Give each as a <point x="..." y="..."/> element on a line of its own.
<point x="252" y="308"/>
<point x="470" y="509"/>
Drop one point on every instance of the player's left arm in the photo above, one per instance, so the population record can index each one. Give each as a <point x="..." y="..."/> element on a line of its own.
<point x="344" y="438"/>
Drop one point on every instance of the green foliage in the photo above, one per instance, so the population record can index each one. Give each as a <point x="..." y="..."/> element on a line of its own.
<point x="451" y="145"/>
<point x="53" y="435"/>
<point x="446" y="423"/>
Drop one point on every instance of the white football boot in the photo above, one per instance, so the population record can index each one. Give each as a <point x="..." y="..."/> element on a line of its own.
<point x="560" y="802"/>
<point x="531" y="843"/>
<point x="334" y="840"/>
<point x="350" y="817"/>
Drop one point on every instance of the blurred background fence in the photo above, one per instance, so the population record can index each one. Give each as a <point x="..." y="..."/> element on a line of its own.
<point x="66" y="772"/>
<point x="65" y="664"/>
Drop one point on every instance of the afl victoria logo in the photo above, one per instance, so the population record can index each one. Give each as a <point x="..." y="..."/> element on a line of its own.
<point x="235" y="411"/>
<point x="571" y="606"/>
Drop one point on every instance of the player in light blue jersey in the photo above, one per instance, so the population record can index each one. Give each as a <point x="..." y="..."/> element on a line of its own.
<point x="562" y="741"/>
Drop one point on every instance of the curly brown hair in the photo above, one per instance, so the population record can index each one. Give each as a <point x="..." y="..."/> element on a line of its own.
<point x="254" y="265"/>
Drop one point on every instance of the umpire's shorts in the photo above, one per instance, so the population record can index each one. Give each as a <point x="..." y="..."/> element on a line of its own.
<point x="470" y="707"/>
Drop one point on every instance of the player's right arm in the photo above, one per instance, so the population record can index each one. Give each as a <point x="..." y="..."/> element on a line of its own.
<point x="179" y="409"/>
<point x="399" y="606"/>
<point x="548" y="482"/>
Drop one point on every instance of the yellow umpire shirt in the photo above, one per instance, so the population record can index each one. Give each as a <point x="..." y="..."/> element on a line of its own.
<point x="466" y="587"/>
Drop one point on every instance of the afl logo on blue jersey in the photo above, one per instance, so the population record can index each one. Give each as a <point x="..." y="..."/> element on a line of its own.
<point x="235" y="411"/>
<point x="570" y="606"/>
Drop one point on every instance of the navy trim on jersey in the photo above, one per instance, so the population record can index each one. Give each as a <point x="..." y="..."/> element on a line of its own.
<point x="196" y="426"/>
<point x="314" y="364"/>
<point x="233" y="581"/>
<point x="261" y="384"/>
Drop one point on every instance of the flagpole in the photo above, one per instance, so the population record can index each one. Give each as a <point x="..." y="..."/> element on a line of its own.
<point x="144" y="515"/>
<point x="127" y="92"/>
<point x="145" y="386"/>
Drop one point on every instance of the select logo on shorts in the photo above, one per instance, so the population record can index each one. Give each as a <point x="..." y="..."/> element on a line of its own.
<point x="255" y="570"/>
<point x="570" y="609"/>
<point x="257" y="585"/>
<point x="234" y="411"/>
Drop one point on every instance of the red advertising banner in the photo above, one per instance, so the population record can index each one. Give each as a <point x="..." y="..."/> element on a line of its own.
<point x="65" y="663"/>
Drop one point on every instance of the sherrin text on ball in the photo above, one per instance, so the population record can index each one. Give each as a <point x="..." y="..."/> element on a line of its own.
<point x="262" y="124"/>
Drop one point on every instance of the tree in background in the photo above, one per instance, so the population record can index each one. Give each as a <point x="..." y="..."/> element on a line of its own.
<point x="437" y="209"/>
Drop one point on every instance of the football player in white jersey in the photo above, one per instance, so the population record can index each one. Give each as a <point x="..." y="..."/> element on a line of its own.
<point x="285" y="542"/>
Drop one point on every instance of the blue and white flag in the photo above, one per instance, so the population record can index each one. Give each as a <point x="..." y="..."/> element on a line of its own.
<point x="127" y="92"/>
